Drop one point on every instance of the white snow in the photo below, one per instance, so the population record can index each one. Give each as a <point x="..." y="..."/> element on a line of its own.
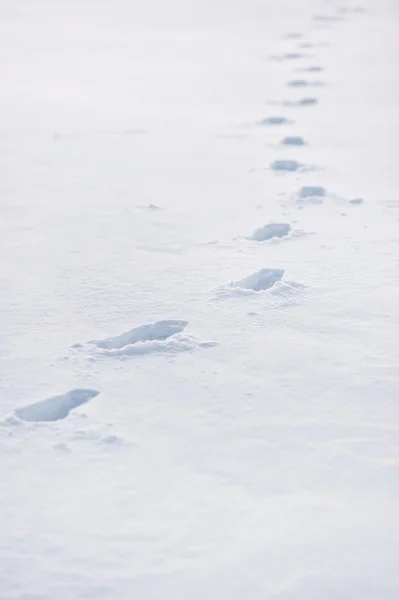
<point x="249" y="447"/>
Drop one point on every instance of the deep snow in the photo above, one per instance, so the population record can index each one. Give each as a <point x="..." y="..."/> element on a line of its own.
<point x="252" y="450"/>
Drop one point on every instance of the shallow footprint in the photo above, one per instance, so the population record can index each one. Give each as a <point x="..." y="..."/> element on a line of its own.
<point x="312" y="194"/>
<point x="56" y="407"/>
<point x="159" y="331"/>
<point x="275" y="120"/>
<point x="270" y="231"/>
<point x="293" y="140"/>
<point x="161" y="336"/>
<point x="306" y="101"/>
<point x="286" y="166"/>
<point x="260" y="281"/>
<point x="301" y="83"/>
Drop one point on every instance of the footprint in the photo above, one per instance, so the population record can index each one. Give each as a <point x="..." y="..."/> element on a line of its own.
<point x="55" y="408"/>
<point x="286" y="165"/>
<point x="312" y="69"/>
<point x="293" y="36"/>
<point x="312" y="194"/>
<point x="158" y="331"/>
<point x="288" y="56"/>
<point x="150" y="207"/>
<point x="327" y="18"/>
<point x="270" y="231"/>
<point x="308" y="101"/>
<point x="301" y="83"/>
<point x="293" y="140"/>
<point x="275" y="120"/>
<point x="160" y="336"/>
<point x="356" y="201"/>
<point x="260" y="281"/>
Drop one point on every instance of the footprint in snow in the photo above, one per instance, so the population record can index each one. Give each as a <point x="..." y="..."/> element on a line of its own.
<point x="321" y="18"/>
<point x="275" y="120"/>
<point x="293" y="35"/>
<point x="293" y="140"/>
<point x="56" y="407"/>
<point x="150" y="207"/>
<point x="302" y="83"/>
<point x="312" y="69"/>
<point x="260" y="281"/>
<point x="159" y="331"/>
<point x="311" y="194"/>
<point x="161" y="336"/>
<point x="287" y="56"/>
<point x="306" y="101"/>
<point x="286" y="166"/>
<point x="270" y="231"/>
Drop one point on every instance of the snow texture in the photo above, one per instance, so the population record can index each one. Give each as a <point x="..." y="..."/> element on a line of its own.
<point x="246" y="446"/>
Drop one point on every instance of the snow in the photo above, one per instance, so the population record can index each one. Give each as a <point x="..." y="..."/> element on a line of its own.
<point x="252" y="453"/>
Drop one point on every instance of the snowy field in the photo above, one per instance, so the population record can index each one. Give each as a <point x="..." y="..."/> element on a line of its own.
<point x="199" y="300"/>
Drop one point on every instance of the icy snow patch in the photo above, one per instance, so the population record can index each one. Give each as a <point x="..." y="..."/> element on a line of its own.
<point x="259" y="281"/>
<point x="56" y="407"/>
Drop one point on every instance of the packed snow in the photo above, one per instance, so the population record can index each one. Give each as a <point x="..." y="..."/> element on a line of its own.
<point x="231" y="429"/>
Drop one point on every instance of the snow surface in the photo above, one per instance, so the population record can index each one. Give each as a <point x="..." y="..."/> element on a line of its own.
<point x="263" y="464"/>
